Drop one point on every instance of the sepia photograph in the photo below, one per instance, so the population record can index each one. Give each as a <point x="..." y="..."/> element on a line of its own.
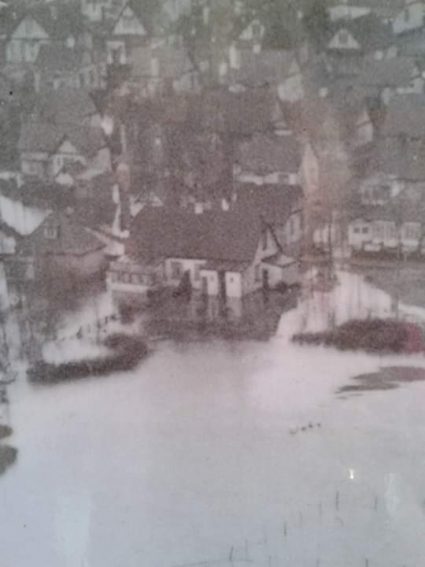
<point x="212" y="283"/>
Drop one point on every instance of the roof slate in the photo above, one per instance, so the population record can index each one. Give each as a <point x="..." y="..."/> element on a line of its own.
<point x="214" y="235"/>
<point x="267" y="153"/>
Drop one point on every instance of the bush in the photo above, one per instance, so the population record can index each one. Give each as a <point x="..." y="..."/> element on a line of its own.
<point x="372" y="335"/>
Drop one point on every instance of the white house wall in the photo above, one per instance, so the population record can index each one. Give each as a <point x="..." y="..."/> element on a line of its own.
<point x="346" y="12"/>
<point x="129" y="24"/>
<point x="233" y="285"/>
<point x="411" y="18"/>
<point x="186" y="265"/>
<point x="338" y="43"/>
<point x="25" y="42"/>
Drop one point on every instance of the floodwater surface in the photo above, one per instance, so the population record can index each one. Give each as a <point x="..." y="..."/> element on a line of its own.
<point x="218" y="452"/>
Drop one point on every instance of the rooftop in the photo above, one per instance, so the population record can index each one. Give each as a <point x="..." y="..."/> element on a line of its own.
<point x="215" y="235"/>
<point x="405" y="116"/>
<point x="268" y="153"/>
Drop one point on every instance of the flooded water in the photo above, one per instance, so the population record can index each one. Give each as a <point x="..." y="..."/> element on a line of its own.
<point x="218" y="452"/>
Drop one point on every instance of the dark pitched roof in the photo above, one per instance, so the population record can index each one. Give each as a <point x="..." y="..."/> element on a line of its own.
<point x="172" y="62"/>
<point x="399" y="158"/>
<point x="46" y="137"/>
<point x="59" y="20"/>
<point x="405" y="116"/>
<point x="369" y="31"/>
<point x="398" y="209"/>
<point x="393" y="72"/>
<point x="253" y="110"/>
<point x="65" y="105"/>
<point x="73" y="239"/>
<point x="215" y="235"/>
<point x="270" y="153"/>
<point x="273" y="203"/>
<point x="58" y="58"/>
<point x="136" y="8"/>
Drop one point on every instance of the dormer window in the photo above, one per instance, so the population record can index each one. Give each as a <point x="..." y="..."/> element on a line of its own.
<point x="51" y="232"/>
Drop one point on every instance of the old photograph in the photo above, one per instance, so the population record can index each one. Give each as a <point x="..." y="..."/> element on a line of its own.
<point x="212" y="283"/>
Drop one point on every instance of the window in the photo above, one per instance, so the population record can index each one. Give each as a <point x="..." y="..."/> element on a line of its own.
<point x="197" y="274"/>
<point x="257" y="274"/>
<point x="265" y="240"/>
<point x="356" y="230"/>
<point x="176" y="270"/>
<point x="365" y="230"/>
<point x="343" y="37"/>
<point x="411" y="231"/>
<point x="51" y="232"/>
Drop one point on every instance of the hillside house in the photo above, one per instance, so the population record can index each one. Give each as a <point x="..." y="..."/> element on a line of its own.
<point x="54" y="24"/>
<point x="127" y="33"/>
<point x="224" y="254"/>
<point x="97" y="11"/>
<point x="60" y="66"/>
<point x="66" y="105"/>
<point x="384" y="79"/>
<point x="392" y="228"/>
<point x="162" y="71"/>
<point x="396" y="166"/>
<point x="45" y="149"/>
<point x="363" y="36"/>
<point x="273" y="159"/>
<point x="63" y="252"/>
<point x="405" y="117"/>
<point x="276" y="69"/>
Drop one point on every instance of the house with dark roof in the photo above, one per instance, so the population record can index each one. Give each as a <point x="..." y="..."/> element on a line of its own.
<point x="60" y="66"/>
<point x="354" y="39"/>
<point x="225" y="254"/>
<point x="41" y="24"/>
<point x="394" y="227"/>
<point x="396" y="165"/>
<point x="163" y="70"/>
<point x="128" y="31"/>
<point x="67" y="105"/>
<point x="277" y="69"/>
<point x="98" y="11"/>
<point x="386" y="78"/>
<point x="276" y="159"/>
<point x="279" y="206"/>
<point x="405" y="117"/>
<point x="63" y="251"/>
<point x="45" y="149"/>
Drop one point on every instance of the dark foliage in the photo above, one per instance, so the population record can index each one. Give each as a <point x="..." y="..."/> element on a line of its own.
<point x="126" y="354"/>
<point x="372" y="335"/>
